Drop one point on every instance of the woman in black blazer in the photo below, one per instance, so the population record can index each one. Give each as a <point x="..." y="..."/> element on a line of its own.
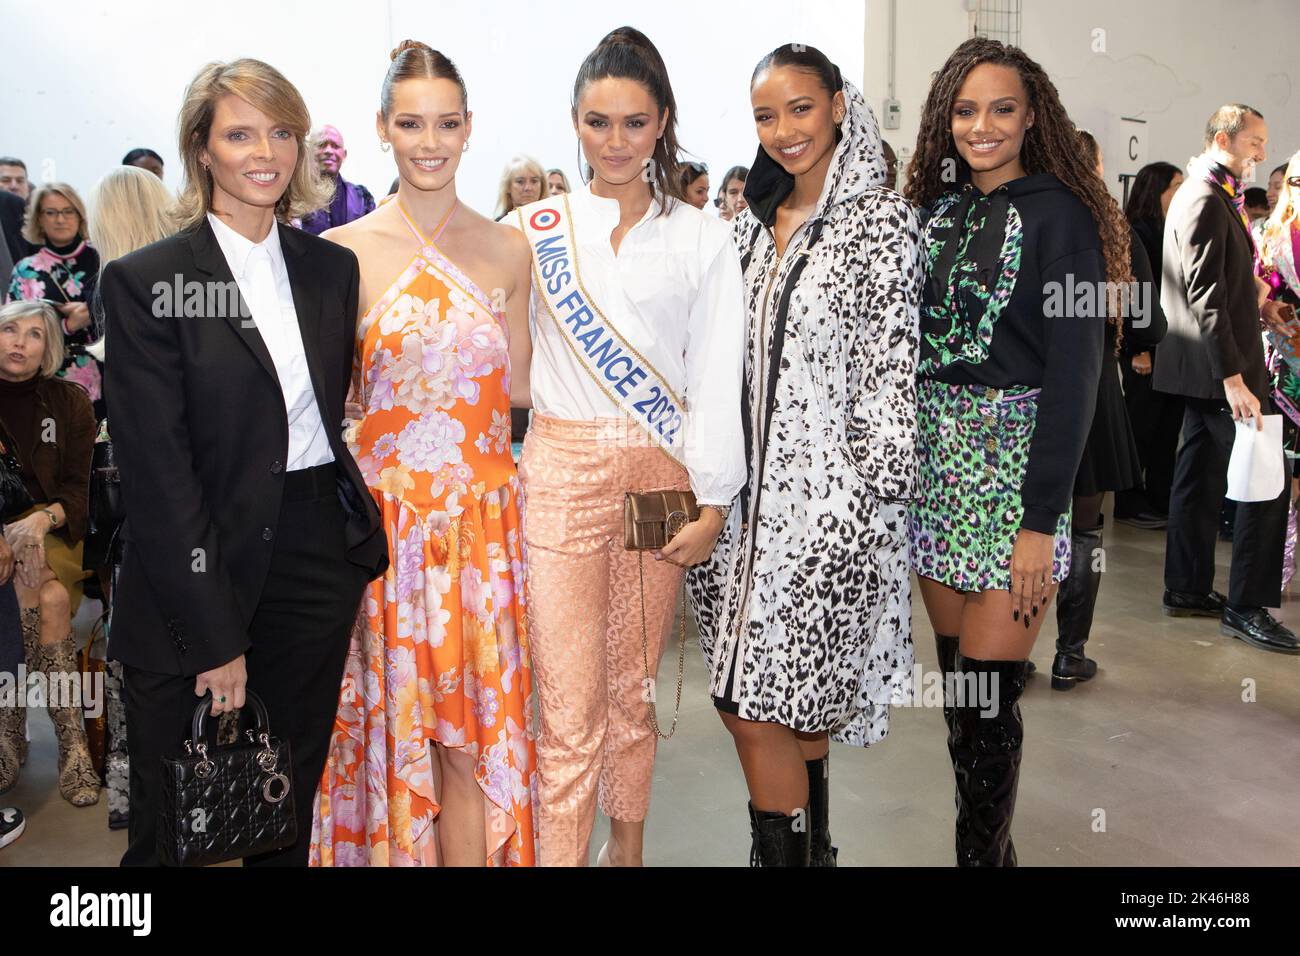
<point x="249" y="533"/>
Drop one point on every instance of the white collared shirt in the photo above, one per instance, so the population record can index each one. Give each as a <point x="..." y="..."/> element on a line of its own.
<point x="674" y="292"/>
<point x="263" y="281"/>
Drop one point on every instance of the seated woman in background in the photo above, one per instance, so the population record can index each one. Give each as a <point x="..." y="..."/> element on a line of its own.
<point x="63" y="272"/>
<point x="522" y="182"/>
<point x="50" y="430"/>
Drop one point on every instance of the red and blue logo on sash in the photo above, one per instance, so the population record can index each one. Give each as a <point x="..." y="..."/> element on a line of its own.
<point x="628" y="379"/>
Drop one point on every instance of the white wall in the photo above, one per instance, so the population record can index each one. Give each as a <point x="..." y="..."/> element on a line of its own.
<point x="85" y="86"/>
<point x="1170" y="62"/>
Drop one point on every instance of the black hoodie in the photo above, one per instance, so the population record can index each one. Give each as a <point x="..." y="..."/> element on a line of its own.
<point x="1028" y="252"/>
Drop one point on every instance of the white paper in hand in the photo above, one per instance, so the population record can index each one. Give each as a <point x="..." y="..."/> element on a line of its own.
<point x="1257" y="468"/>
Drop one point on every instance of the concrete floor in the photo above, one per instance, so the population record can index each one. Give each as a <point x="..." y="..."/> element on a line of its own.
<point x="1157" y="762"/>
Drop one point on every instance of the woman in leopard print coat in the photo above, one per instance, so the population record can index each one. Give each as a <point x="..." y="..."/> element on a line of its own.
<point x="804" y="610"/>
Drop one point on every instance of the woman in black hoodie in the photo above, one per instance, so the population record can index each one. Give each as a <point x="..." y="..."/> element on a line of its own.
<point x="1022" y="238"/>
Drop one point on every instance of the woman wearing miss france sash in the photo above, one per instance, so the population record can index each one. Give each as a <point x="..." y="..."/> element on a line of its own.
<point x="638" y="327"/>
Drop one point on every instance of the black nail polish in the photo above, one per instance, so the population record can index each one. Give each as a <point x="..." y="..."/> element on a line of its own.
<point x="1015" y="614"/>
<point x="1035" y="610"/>
<point x="1026" y="622"/>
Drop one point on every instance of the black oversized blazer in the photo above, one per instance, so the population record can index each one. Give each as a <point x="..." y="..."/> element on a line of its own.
<point x="198" y="422"/>
<point x="1209" y="298"/>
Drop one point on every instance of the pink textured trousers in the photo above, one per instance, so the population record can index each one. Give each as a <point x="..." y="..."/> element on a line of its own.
<point x="584" y="624"/>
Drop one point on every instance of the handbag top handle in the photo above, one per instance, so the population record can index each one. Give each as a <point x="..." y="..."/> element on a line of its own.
<point x="198" y="726"/>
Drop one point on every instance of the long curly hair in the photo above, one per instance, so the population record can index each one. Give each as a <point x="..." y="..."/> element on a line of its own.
<point x="1051" y="145"/>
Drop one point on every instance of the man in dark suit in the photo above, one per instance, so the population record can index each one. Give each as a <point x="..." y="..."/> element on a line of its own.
<point x="249" y="541"/>
<point x="1213" y="355"/>
<point x="12" y="245"/>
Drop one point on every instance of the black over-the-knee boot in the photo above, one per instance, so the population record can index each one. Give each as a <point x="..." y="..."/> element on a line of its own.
<point x="985" y="749"/>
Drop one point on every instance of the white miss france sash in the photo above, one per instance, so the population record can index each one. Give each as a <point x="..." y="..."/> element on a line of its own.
<point x="622" y="373"/>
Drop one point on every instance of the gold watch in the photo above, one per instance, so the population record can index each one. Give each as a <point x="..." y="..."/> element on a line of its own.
<point x="54" y="519"/>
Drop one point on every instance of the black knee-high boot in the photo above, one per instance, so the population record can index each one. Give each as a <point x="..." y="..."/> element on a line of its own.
<point x="821" y="852"/>
<point x="985" y="751"/>
<point x="779" y="840"/>
<point x="1075" y="603"/>
<point x="946" y="645"/>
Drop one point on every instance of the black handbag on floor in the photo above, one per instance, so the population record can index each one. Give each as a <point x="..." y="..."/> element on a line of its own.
<point x="227" y="802"/>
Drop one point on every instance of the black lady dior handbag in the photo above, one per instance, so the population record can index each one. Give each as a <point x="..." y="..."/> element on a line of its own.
<point x="227" y="802"/>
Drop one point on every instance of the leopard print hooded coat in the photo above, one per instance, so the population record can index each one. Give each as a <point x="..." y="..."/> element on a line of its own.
<point x="819" y="631"/>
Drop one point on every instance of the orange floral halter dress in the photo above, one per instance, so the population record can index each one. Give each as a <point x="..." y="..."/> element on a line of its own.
<point x="440" y="648"/>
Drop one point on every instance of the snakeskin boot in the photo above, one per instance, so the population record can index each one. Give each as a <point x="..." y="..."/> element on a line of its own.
<point x="78" y="782"/>
<point x="30" y="618"/>
<point x="11" y="736"/>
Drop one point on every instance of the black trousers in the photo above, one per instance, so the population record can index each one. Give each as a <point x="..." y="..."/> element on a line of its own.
<point x="299" y="635"/>
<point x="1200" y="480"/>
<point x="1157" y="420"/>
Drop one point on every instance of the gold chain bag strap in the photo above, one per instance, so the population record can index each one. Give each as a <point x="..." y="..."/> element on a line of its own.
<point x="650" y="520"/>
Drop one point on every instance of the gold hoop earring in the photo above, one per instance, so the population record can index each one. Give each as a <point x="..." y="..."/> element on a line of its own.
<point x="384" y="146"/>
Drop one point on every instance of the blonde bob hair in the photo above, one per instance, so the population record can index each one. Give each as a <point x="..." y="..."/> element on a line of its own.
<point x="264" y="87"/>
<point x="132" y="209"/>
<point x="33" y="231"/>
<point x="52" y="360"/>
<point x="504" y="203"/>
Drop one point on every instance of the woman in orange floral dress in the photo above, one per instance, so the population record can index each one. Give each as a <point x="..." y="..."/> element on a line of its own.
<point x="432" y="759"/>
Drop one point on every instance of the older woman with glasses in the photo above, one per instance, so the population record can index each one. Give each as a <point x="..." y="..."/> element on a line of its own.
<point x="62" y="272"/>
